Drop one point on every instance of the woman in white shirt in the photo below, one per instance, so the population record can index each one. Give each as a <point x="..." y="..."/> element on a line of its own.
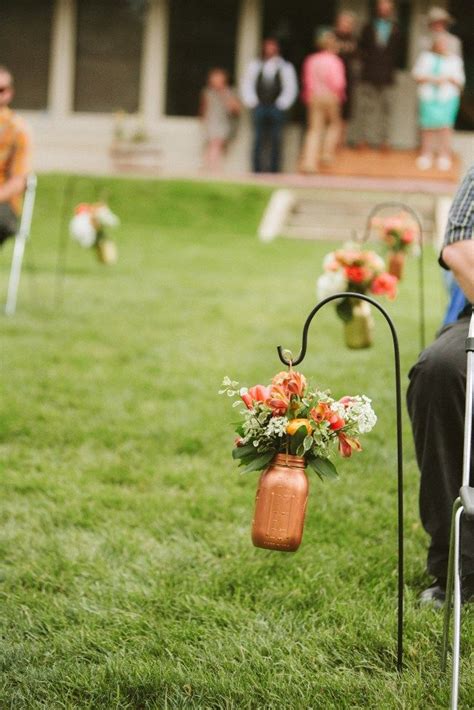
<point x="440" y="79"/>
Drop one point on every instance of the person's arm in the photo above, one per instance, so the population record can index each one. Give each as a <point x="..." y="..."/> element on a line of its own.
<point x="232" y="103"/>
<point x="459" y="258"/>
<point x="457" y="77"/>
<point x="289" y="90"/>
<point x="457" y="254"/>
<point x="248" y="88"/>
<point x="20" y="167"/>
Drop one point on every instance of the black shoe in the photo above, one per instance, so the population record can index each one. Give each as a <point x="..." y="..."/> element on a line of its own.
<point x="435" y="595"/>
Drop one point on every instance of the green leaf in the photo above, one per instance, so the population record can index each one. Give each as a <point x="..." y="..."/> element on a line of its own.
<point x="261" y="461"/>
<point x="344" y="310"/>
<point x="307" y="443"/>
<point x="297" y="439"/>
<point x="323" y="467"/>
<point x="240" y="452"/>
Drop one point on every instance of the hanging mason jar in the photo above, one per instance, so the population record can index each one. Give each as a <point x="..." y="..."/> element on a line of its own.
<point x="396" y="264"/>
<point x="359" y="328"/>
<point x="106" y="251"/>
<point x="280" y="504"/>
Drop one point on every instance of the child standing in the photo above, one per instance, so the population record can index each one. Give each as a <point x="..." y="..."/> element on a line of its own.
<point x="440" y="79"/>
<point x="219" y="108"/>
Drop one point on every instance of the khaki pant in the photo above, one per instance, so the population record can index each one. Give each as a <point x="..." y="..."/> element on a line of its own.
<point x="324" y="112"/>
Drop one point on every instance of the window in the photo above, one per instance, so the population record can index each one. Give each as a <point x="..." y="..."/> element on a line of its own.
<point x="202" y="35"/>
<point x="108" y="55"/>
<point x="25" y="39"/>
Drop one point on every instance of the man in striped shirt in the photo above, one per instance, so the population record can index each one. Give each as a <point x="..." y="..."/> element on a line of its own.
<point x="436" y="401"/>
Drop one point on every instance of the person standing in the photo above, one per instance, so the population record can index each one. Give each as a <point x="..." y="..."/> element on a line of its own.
<point x="14" y="159"/>
<point x="323" y="91"/>
<point x="219" y="109"/>
<point x="440" y="78"/>
<point x="436" y="404"/>
<point x="269" y="89"/>
<point x="439" y="20"/>
<point x="344" y="29"/>
<point x="379" y="49"/>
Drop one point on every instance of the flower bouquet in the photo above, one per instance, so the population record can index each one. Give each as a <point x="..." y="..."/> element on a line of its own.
<point x="398" y="233"/>
<point x="287" y="426"/>
<point x="88" y="227"/>
<point x="350" y="269"/>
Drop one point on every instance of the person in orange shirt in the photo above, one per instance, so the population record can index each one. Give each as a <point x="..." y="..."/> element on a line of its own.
<point x="15" y="155"/>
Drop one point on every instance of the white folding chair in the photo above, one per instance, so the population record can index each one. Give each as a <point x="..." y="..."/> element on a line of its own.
<point x="463" y="507"/>
<point x="19" y="247"/>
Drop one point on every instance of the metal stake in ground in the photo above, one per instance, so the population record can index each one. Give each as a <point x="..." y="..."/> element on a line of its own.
<point x="396" y="355"/>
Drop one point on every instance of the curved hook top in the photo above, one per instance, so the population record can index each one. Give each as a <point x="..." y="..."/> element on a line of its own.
<point x="385" y="205"/>
<point x="304" y="338"/>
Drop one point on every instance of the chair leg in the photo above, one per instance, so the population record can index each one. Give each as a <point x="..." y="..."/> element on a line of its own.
<point x="14" y="280"/>
<point x="457" y="611"/>
<point x="449" y="589"/>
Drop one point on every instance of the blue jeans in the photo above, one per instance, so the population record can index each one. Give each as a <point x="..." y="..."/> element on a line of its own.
<point x="268" y="122"/>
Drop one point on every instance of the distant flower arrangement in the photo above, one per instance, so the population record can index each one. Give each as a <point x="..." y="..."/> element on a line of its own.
<point x="89" y="227"/>
<point x="398" y="232"/>
<point x="287" y="416"/>
<point x="350" y="269"/>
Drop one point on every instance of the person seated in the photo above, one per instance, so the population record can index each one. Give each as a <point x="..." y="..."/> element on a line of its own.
<point x="14" y="158"/>
<point x="436" y="404"/>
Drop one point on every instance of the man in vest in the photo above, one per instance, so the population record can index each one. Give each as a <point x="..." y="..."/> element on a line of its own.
<point x="14" y="159"/>
<point x="269" y="89"/>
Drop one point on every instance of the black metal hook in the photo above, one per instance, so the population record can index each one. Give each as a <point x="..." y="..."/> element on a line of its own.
<point x="396" y="353"/>
<point x="421" y="286"/>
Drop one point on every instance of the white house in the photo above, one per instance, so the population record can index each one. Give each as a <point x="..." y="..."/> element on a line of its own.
<point x="77" y="62"/>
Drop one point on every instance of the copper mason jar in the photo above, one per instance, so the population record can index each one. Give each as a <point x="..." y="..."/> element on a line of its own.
<point x="280" y="504"/>
<point x="396" y="264"/>
<point x="358" y="331"/>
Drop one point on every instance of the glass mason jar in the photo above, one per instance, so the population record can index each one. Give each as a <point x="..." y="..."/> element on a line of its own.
<point x="358" y="331"/>
<point x="106" y="251"/>
<point x="396" y="264"/>
<point x="280" y="504"/>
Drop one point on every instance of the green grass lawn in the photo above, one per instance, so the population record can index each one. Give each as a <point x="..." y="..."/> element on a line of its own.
<point x="128" y="579"/>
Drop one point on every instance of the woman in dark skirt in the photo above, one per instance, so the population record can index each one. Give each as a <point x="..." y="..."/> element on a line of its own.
<point x="344" y="30"/>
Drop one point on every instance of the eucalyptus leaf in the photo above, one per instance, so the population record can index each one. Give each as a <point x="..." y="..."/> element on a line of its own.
<point x="307" y="443"/>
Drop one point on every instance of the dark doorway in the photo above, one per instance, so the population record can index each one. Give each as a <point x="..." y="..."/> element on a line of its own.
<point x="108" y="56"/>
<point x="25" y="39"/>
<point x="202" y="35"/>
<point x="463" y="13"/>
<point x="294" y="23"/>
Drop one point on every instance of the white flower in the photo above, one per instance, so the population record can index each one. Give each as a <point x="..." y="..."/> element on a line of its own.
<point x="105" y="217"/>
<point x="81" y="228"/>
<point x="328" y="260"/>
<point x="330" y="283"/>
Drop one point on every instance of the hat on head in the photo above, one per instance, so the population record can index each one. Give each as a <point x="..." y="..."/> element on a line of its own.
<point x="438" y="14"/>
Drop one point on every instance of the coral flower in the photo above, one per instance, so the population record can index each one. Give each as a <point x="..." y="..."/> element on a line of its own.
<point x="347" y="445"/>
<point x="357" y="274"/>
<point x="278" y="400"/>
<point x="408" y="236"/>
<point x="295" y="424"/>
<point x="293" y="382"/>
<point x="385" y="285"/>
<point x="320" y="412"/>
<point x="259" y="393"/>
<point x="335" y="421"/>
